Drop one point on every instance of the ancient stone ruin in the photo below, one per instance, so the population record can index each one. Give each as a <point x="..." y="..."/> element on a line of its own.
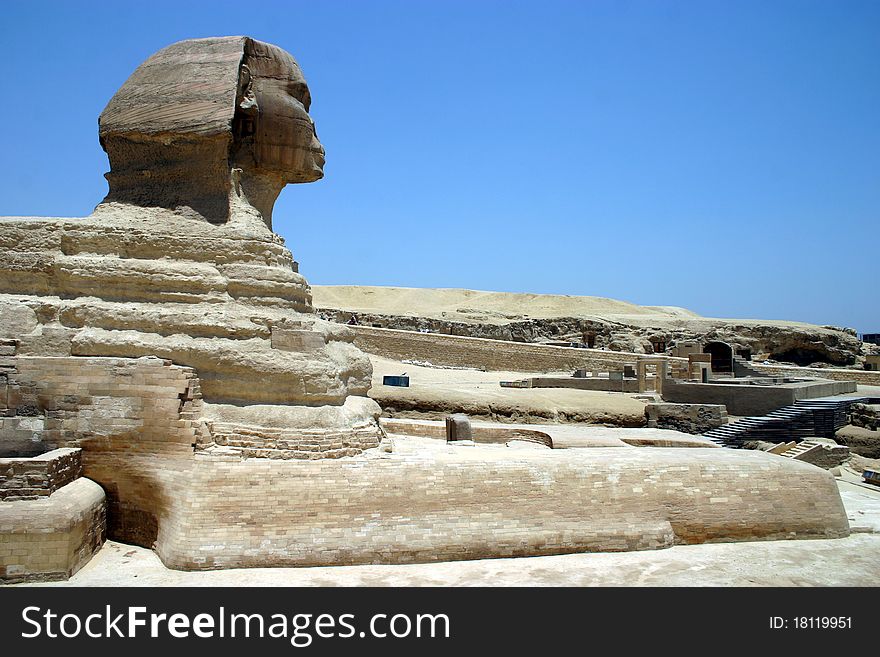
<point x="162" y="361"/>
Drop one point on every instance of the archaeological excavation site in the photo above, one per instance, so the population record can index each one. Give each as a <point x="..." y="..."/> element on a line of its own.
<point x="173" y="390"/>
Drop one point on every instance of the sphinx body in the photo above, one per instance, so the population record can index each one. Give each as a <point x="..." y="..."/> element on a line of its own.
<point x="179" y="262"/>
<point x="172" y="338"/>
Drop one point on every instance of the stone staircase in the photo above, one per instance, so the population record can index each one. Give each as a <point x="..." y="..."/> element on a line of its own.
<point x="803" y="419"/>
<point x="818" y="453"/>
<point x="742" y="367"/>
<point x="801" y="449"/>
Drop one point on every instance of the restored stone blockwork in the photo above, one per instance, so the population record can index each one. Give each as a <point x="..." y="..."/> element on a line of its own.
<point x="51" y="537"/>
<point x="112" y="408"/>
<point x="492" y="503"/>
<point x="119" y="408"/>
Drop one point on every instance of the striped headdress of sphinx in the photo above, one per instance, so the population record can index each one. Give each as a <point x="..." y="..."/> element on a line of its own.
<point x="204" y="119"/>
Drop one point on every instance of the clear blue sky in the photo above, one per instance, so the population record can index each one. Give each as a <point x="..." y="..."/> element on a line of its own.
<point x="722" y="156"/>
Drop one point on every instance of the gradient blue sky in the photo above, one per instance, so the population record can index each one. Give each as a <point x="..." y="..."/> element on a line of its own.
<point x="722" y="156"/>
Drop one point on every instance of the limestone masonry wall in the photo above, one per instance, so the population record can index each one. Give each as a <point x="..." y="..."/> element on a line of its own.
<point x="499" y="355"/>
<point x="112" y="408"/>
<point x="104" y="404"/>
<point x="502" y="355"/>
<point x="751" y="399"/>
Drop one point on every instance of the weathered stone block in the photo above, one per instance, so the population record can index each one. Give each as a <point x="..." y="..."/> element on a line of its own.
<point x="296" y="340"/>
<point x="458" y="428"/>
<point x="689" y="418"/>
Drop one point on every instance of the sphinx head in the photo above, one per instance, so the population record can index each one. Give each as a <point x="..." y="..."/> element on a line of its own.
<point x="272" y="127"/>
<point x="204" y="121"/>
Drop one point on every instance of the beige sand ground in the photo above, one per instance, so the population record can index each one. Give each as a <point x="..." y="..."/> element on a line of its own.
<point x="852" y="561"/>
<point x="436" y="391"/>
<point x="563" y="436"/>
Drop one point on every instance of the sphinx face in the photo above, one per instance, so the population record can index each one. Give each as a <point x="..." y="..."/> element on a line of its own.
<point x="284" y="138"/>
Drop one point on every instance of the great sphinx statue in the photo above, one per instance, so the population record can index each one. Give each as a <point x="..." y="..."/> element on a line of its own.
<point x="170" y="336"/>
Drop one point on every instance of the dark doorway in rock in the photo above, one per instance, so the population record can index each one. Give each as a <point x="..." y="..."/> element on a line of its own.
<point x="659" y="345"/>
<point x="801" y="357"/>
<point x="722" y="356"/>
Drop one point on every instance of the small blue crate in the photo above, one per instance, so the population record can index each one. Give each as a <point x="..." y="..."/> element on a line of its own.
<point x="400" y="381"/>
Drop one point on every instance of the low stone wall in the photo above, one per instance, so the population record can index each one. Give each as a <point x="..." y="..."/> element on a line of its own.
<point x="866" y="416"/>
<point x="502" y="355"/>
<point x="497" y="435"/>
<point x="585" y="383"/>
<point x="751" y="399"/>
<point x="52" y="537"/>
<point x="497" y="355"/>
<point x="861" y="377"/>
<point x="38" y="476"/>
<point x="689" y="418"/>
<point x="275" y="443"/>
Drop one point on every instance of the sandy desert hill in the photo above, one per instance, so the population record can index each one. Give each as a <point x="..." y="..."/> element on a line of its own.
<point x="616" y="324"/>
<point x="496" y="306"/>
<point x="503" y="307"/>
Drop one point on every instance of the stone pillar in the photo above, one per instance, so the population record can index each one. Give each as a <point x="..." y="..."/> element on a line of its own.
<point x="458" y="427"/>
<point x="642" y="374"/>
<point x="660" y="375"/>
